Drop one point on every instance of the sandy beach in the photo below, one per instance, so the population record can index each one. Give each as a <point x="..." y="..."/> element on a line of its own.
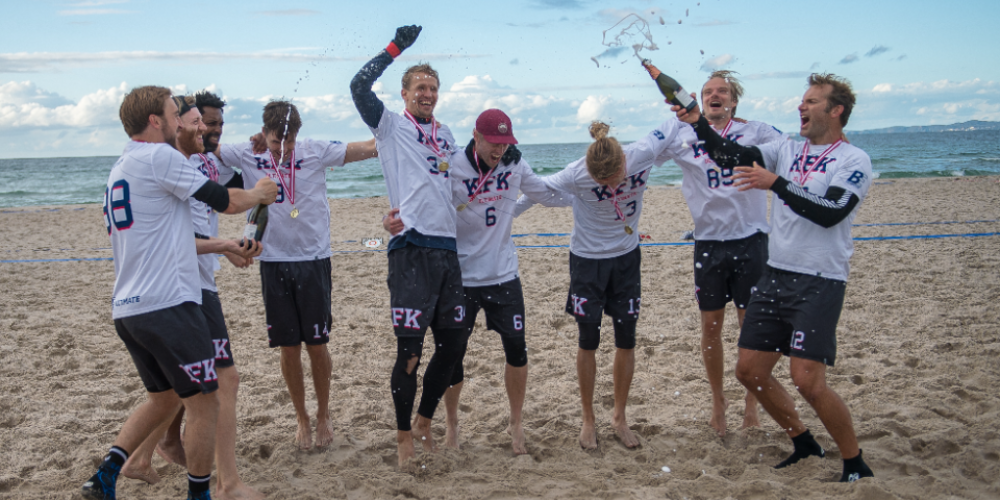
<point x="919" y="344"/>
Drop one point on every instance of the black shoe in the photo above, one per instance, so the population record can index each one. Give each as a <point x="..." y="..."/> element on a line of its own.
<point x="101" y="486"/>
<point x="805" y="447"/>
<point x="199" y="496"/>
<point x="855" y="469"/>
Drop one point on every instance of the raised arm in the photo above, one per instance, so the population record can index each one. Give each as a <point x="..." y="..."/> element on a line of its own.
<point x="357" y="151"/>
<point x="725" y="153"/>
<point x="368" y="104"/>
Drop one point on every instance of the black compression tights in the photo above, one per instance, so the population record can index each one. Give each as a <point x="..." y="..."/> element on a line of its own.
<point x="514" y="348"/>
<point x="436" y="377"/>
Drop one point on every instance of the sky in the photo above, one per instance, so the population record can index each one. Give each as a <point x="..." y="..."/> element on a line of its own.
<point x="66" y="65"/>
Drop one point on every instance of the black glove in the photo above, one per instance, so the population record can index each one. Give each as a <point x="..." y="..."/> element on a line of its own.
<point x="405" y="36"/>
<point x="512" y="155"/>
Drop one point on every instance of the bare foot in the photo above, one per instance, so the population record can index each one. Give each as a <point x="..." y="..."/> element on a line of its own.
<point x="303" y="436"/>
<point x="625" y="434"/>
<point x="422" y="431"/>
<point x="144" y="472"/>
<point x="324" y="432"/>
<point x="718" y="421"/>
<point x="451" y="435"/>
<point x="239" y="492"/>
<point x="405" y="450"/>
<point x="172" y="452"/>
<point x="517" y="435"/>
<point x="752" y="416"/>
<point x="588" y="436"/>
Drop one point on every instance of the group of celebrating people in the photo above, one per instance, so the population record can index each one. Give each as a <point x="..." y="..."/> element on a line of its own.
<point x="451" y="255"/>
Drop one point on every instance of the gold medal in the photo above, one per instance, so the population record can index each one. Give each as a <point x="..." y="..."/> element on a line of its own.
<point x="295" y="214"/>
<point x="443" y="166"/>
<point x="628" y="229"/>
<point x="462" y="206"/>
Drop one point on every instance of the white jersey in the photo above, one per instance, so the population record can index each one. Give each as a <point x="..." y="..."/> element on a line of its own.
<point x="797" y="244"/>
<point x="598" y="231"/>
<point x="420" y="191"/>
<point x="486" y="251"/>
<point x="148" y="217"/>
<point x="306" y="237"/>
<point x="720" y="211"/>
<point x="206" y="220"/>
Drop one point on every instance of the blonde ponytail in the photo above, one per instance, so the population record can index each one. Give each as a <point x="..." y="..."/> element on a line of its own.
<point x="604" y="156"/>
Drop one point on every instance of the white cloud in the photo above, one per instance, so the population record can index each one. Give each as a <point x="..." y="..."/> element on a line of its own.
<point x="474" y="83"/>
<point x="718" y="62"/>
<point x="22" y="104"/>
<point x="592" y="108"/>
<point x="882" y="88"/>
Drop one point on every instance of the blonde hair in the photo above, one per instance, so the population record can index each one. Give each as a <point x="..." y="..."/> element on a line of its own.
<point x="139" y="104"/>
<point x="419" y="68"/>
<point x="735" y="86"/>
<point x="604" y="156"/>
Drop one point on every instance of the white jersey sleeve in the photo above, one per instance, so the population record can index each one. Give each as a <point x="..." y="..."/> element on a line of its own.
<point x="148" y="217"/>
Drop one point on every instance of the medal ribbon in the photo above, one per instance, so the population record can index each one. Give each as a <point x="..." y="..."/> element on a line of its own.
<point x="614" y="201"/>
<point x="726" y="130"/>
<point x="819" y="161"/>
<point x="433" y="145"/>
<point x="482" y="177"/>
<point x="291" y="175"/>
<point x="213" y="171"/>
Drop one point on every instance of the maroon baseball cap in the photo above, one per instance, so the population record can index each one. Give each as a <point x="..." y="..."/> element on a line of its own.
<point x="495" y="127"/>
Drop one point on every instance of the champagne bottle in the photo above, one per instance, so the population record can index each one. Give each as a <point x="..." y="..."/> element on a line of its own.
<point x="669" y="87"/>
<point x="256" y="223"/>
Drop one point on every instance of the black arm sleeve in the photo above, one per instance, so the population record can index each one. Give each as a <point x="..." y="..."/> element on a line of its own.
<point x="214" y="195"/>
<point x="236" y="182"/>
<point x="722" y="151"/>
<point x="365" y="100"/>
<point x="827" y="210"/>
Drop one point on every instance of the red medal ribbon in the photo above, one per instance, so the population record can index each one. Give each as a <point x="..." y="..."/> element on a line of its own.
<point x="614" y="201"/>
<point x="819" y="161"/>
<point x="433" y="145"/>
<point x="482" y="177"/>
<point x="291" y="176"/>
<point x="213" y="171"/>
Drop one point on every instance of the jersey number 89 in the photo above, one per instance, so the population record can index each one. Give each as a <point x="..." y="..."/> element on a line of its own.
<point x="723" y="174"/>
<point x="117" y="206"/>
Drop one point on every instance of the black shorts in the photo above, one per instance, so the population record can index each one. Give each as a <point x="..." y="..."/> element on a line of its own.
<point x="504" y="306"/>
<point x="211" y="307"/>
<point x="425" y="290"/>
<point x="171" y="349"/>
<point x="297" y="302"/>
<point x="794" y="314"/>
<point x="612" y="286"/>
<point x="727" y="270"/>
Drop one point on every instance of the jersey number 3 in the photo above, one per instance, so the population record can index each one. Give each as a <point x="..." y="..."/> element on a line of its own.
<point x="117" y="206"/>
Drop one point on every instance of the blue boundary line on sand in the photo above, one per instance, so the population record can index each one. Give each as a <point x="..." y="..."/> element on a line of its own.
<point x="670" y="244"/>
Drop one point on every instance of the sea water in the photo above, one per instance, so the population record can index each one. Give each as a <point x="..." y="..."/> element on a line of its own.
<point x="62" y="181"/>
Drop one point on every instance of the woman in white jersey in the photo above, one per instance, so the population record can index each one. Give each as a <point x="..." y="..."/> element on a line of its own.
<point x="606" y="189"/>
